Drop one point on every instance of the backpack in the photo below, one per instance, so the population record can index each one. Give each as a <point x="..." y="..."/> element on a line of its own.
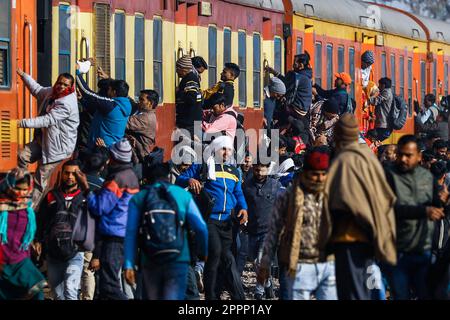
<point x="350" y="105"/>
<point x="60" y="242"/>
<point x="84" y="230"/>
<point x="162" y="232"/>
<point x="398" y="114"/>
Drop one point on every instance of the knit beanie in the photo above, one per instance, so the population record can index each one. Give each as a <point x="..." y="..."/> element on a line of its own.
<point x="277" y="86"/>
<point x="368" y="57"/>
<point x="331" y="106"/>
<point x="184" y="62"/>
<point x="318" y="158"/>
<point x="121" y="151"/>
<point x="347" y="129"/>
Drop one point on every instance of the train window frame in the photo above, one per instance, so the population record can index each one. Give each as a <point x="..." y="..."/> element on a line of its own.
<point x="423" y="80"/>
<point x="446" y="78"/>
<point x="227" y="45"/>
<point x="401" y="84"/>
<point x="341" y="58"/>
<point x="393" y="72"/>
<point x="318" y="63"/>
<point x="351" y="70"/>
<point x="410" y="86"/>
<point x="383" y="71"/>
<point x="212" y="50"/>
<point x="65" y="52"/>
<point x="102" y="31"/>
<point x="242" y="62"/>
<point x="5" y="45"/>
<point x="330" y="66"/>
<point x="278" y="51"/>
<point x="119" y="36"/>
<point x="139" y="59"/>
<point x="434" y="79"/>
<point x="299" y="45"/>
<point x="158" y="75"/>
<point x="257" y="71"/>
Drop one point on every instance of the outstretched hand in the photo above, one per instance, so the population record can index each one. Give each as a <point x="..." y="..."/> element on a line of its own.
<point x="20" y="72"/>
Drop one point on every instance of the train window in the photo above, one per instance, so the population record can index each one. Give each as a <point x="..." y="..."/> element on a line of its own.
<point x="299" y="46"/>
<point x="242" y="60"/>
<point x="5" y="22"/>
<point x="434" y="77"/>
<point x="318" y="64"/>
<point x="102" y="36"/>
<point x="226" y="46"/>
<point x="341" y="57"/>
<point x="402" y="76"/>
<point x="119" y="33"/>
<point x="410" y="86"/>
<point x="277" y="62"/>
<point x="446" y="79"/>
<point x="139" y="55"/>
<point x="330" y="74"/>
<point x="256" y="70"/>
<point x="64" y="39"/>
<point x="212" y="56"/>
<point x="423" y="79"/>
<point x="157" y="58"/>
<point x="351" y="64"/>
<point x="383" y="65"/>
<point x="393" y="74"/>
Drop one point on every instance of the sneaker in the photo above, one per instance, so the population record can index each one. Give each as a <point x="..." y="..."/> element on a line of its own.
<point x="269" y="292"/>
<point x="258" y="296"/>
<point x="199" y="277"/>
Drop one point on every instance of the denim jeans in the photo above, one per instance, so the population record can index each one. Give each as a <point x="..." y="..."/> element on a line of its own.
<point x="286" y="283"/>
<point x="255" y="250"/>
<point x="315" y="278"/>
<point x="410" y="272"/>
<point x="65" y="277"/>
<point x="166" y="282"/>
<point x="111" y="261"/>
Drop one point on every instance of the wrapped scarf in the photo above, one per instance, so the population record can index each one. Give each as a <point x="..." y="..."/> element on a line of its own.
<point x="10" y="200"/>
<point x="210" y="151"/>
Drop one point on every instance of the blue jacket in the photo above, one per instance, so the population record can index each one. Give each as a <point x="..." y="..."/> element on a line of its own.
<point x="340" y="95"/>
<point x="110" y="203"/>
<point x="226" y="189"/>
<point x="303" y="98"/>
<point x="110" y="117"/>
<point x="188" y="211"/>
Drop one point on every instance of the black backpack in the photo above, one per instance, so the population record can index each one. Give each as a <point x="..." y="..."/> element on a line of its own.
<point x="60" y="244"/>
<point x="398" y="114"/>
<point x="162" y="231"/>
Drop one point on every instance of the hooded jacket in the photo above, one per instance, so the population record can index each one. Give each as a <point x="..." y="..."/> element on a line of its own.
<point x="303" y="98"/>
<point x="59" y="125"/>
<point x="383" y="104"/>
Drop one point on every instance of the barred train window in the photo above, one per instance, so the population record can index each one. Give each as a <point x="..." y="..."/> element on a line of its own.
<point x="446" y="78"/>
<point x="341" y="58"/>
<point x="299" y="46"/>
<point x="5" y="38"/>
<point x="119" y="33"/>
<point x="393" y="74"/>
<point x="212" y="56"/>
<point x="242" y="58"/>
<point x="64" y="39"/>
<point x="318" y="64"/>
<point x="434" y="77"/>
<point x="423" y="81"/>
<point x="226" y="46"/>
<point x="139" y="55"/>
<point x="410" y="87"/>
<point x="330" y="73"/>
<point x="277" y="62"/>
<point x="402" y="76"/>
<point x="351" y="63"/>
<point x="256" y="70"/>
<point x="383" y="65"/>
<point x="102" y="37"/>
<point x="157" y="58"/>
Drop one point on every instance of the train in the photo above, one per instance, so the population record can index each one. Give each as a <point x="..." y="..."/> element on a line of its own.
<point x="140" y="40"/>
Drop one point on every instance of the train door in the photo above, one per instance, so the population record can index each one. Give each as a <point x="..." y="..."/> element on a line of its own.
<point x="17" y="50"/>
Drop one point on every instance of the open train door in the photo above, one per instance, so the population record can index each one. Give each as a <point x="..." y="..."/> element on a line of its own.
<point x="17" y="50"/>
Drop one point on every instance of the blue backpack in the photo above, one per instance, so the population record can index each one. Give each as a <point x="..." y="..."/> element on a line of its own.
<point x="162" y="231"/>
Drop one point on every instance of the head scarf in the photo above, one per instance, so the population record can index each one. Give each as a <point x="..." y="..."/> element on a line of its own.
<point x="216" y="145"/>
<point x="10" y="201"/>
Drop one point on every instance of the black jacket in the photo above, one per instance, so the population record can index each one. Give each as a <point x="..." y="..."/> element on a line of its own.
<point x="340" y="95"/>
<point x="188" y="102"/>
<point x="226" y="88"/>
<point x="303" y="98"/>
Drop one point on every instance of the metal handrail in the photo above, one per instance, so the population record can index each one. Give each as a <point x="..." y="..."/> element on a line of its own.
<point x="87" y="47"/>
<point x="30" y="39"/>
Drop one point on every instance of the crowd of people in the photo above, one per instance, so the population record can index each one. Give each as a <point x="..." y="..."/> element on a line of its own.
<point x="322" y="207"/>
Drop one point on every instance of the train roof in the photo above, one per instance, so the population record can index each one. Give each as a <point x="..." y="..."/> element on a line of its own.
<point x="358" y="13"/>
<point x="264" y="4"/>
<point x="439" y="30"/>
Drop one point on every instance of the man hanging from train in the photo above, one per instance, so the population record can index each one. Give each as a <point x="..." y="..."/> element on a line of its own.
<point x="57" y="122"/>
<point x="225" y="86"/>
